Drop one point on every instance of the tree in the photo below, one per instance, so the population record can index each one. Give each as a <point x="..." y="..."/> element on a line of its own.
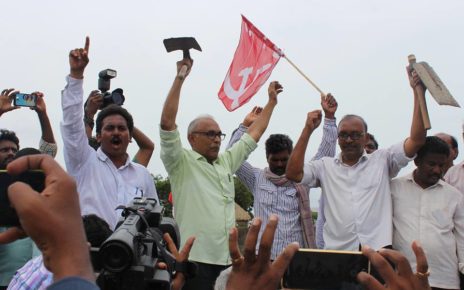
<point x="243" y="197"/>
<point x="163" y="187"/>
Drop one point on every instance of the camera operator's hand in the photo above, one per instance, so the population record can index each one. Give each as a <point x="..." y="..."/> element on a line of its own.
<point x="182" y="256"/>
<point x="187" y="62"/>
<point x="252" y="271"/>
<point x="6" y="101"/>
<point x="94" y="102"/>
<point x="52" y="217"/>
<point x="78" y="60"/>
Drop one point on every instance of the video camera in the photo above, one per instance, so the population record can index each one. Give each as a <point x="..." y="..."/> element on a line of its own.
<point x="128" y="258"/>
<point x="104" y="82"/>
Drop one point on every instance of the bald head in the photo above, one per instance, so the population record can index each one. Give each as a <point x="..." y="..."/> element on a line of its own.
<point x="195" y="122"/>
<point x="350" y="117"/>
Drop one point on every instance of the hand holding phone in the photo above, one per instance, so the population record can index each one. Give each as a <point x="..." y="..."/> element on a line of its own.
<point x="25" y="100"/>
<point x="324" y="269"/>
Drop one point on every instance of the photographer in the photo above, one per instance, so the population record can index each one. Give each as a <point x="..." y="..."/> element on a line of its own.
<point x="47" y="144"/>
<point x="106" y="178"/>
<point x="14" y="255"/>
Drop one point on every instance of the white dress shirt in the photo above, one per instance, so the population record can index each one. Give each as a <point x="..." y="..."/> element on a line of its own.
<point x="455" y="176"/>
<point x="435" y="217"/>
<point x="357" y="198"/>
<point x="102" y="187"/>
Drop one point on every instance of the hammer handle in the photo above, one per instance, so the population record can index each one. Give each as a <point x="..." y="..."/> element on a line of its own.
<point x="422" y="103"/>
<point x="182" y="72"/>
<point x="183" y="69"/>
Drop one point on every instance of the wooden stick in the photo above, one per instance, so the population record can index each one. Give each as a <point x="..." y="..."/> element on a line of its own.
<point x="310" y="81"/>
<point x="422" y="102"/>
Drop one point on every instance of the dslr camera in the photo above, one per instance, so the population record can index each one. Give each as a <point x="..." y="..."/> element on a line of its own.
<point x="104" y="81"/>
<point x="128" y="258"/>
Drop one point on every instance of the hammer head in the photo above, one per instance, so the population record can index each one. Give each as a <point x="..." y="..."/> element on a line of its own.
<point x="181" y="43"/>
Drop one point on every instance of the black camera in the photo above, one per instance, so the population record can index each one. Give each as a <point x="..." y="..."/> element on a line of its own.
<point x="128" y="258"/>
<point x="104" y="81"/>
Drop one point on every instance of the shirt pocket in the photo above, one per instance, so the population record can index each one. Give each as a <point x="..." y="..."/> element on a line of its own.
<point x="290" y="199"/>
<point x="268" y="195"/>
<point x="228" y="188"/>
<point x="442" y="219"/>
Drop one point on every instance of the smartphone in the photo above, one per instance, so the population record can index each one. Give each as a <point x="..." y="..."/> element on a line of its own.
<point x="324" y="269"/>
<point x="35" y="178"/>
<point x="25" y="100"/>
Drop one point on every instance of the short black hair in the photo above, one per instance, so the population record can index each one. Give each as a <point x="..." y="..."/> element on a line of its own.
<point x="96" y="229"/>
<point x="371" y="137"/>
<point x="114" y="110"/>
<point x="433" y="145"/>
<point x="352" y="116"/>
<point x="7" y="135"/>
<point x="277" y="143"/>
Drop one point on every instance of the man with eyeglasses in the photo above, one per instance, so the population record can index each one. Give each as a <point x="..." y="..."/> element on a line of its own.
<point x="202" y="181"/>
<point x="356" y="185"/>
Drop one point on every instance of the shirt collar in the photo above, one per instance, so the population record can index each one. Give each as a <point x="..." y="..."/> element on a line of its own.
<point x="103" y="157"/>
<point x="364" y="157"/>
<point x="410" y="177"/>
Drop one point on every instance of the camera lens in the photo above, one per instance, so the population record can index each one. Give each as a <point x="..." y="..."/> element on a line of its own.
<point x="116" y="256"/>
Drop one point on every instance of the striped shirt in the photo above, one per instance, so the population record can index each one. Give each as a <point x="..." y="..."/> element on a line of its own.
<point x="281" y="200"/>
<point x="33" y="275"/>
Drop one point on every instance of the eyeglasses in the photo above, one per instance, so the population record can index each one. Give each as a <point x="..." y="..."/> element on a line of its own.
<point x="354" y="136"/>
<point x="7" y="149"/>
<point x="212" y="134"/>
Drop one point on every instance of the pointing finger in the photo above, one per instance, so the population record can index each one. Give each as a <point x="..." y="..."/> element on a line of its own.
<point x="87" y="44"/>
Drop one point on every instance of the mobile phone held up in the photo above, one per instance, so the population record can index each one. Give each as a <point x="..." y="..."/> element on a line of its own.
<point x="324" y="269"/>
<point x="25" y="100"/>
<point x="35" y="178"/>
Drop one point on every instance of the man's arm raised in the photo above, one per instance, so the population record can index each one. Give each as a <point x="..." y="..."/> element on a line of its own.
<point x="257" y="128"/>
<point x="295" y="162"/>
<point x="171" y="105"/>
<point x="418" y="133"/>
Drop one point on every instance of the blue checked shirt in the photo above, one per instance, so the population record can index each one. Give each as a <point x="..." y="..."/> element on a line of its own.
<point x="281" y="200"/>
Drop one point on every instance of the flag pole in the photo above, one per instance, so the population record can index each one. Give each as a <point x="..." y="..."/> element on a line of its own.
<point x="306" y="77"/>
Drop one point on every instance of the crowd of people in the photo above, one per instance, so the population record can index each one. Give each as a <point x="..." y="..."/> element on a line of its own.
<point x="411" y="228"/>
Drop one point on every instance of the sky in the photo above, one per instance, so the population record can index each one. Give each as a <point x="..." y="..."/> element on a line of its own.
<point x="357" y="50"/>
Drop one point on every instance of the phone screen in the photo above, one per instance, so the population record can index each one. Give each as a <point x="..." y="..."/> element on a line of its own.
<point x="324" y="269"/>
<point x="25" y="100"/>
<point x="35" y="178"/>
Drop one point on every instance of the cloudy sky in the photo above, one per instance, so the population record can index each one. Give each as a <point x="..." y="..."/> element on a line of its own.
<point x="355" y="49"/>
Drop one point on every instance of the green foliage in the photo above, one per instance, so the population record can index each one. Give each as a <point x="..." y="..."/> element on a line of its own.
<point x="243" y="197"/>
<point x="314" y="216"/>
<point x="163" y="187"/>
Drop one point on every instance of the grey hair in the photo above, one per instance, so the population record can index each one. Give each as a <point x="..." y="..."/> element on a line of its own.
<point x="192" y="126"/>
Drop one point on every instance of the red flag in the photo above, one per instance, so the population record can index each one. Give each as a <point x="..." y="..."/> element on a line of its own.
<point x="254" y="60"/>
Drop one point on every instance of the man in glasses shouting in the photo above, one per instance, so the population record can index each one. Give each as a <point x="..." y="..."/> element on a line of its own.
<point x="202" y="181"/>
<point x="356" y="185"/>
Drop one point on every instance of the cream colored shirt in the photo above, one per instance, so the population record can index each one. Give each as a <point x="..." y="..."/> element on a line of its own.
<point x="455" y="176"/>
<point x="435" y="217"/>
<point x="357" y="198"/>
